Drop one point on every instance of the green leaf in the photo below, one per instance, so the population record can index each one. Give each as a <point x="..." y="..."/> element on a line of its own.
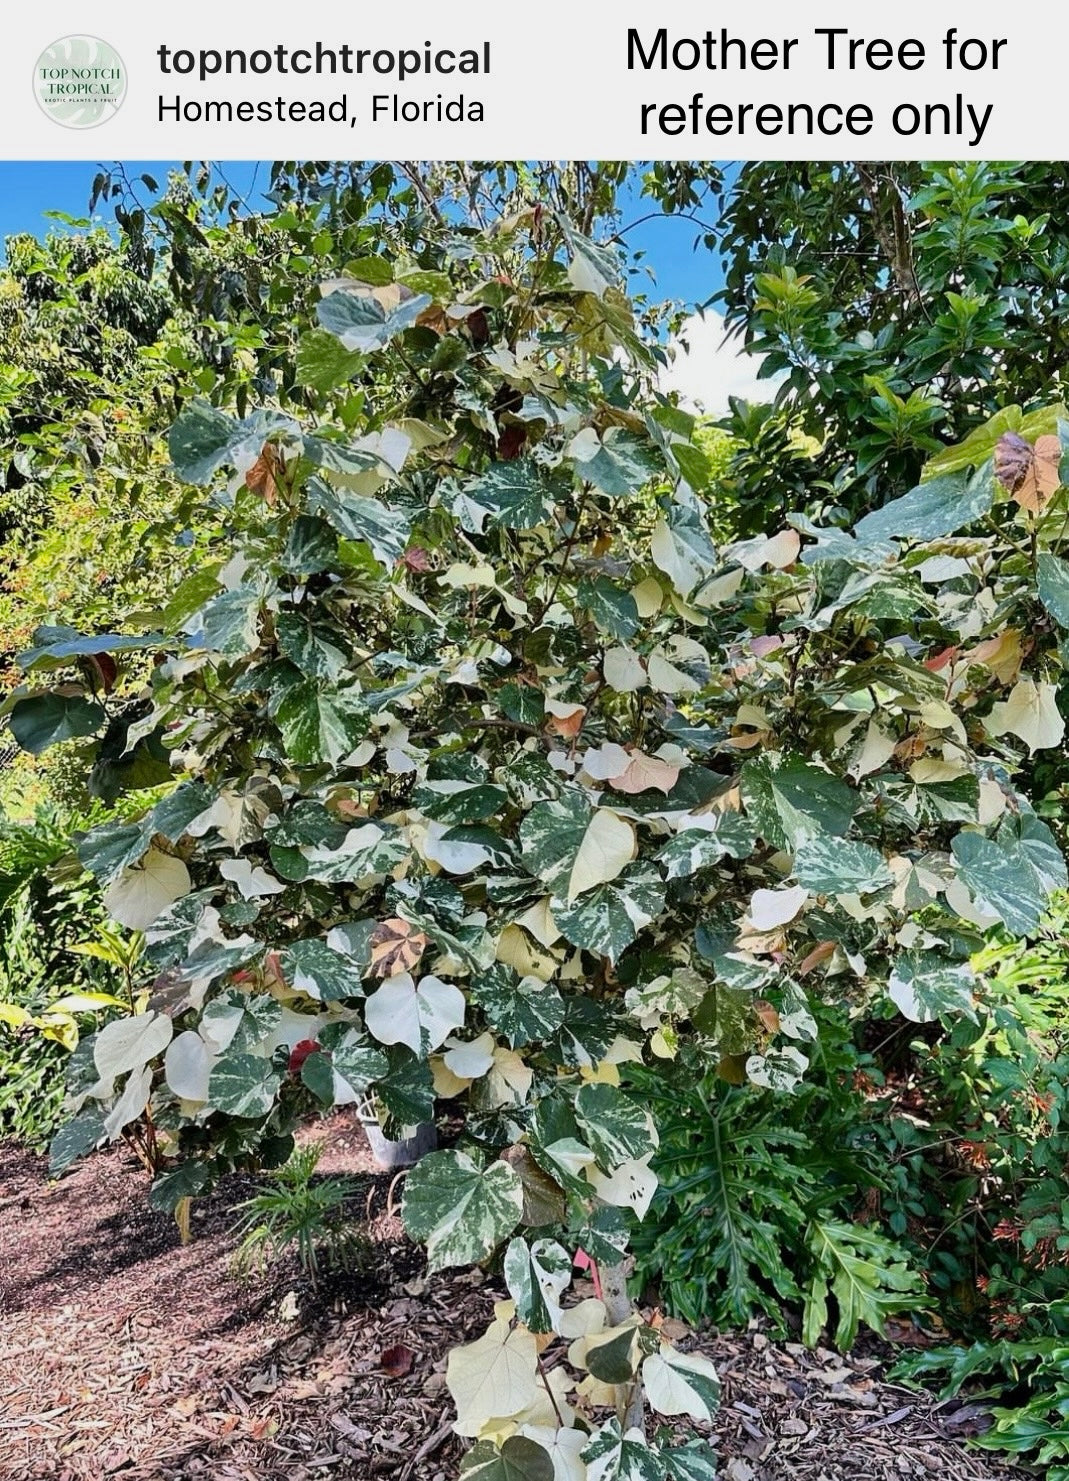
<point x="460" y="1210"/>
<point x="618" y="463"/>
<point x="616" y="1129"/>
<point x="360" y="321"/>
<point x="516" y="495"/>
<point x="942" y="506"/>
<point x="311" y="546"/>
<point x="73" y="1140"/>
<point x="57" y="646"/>
<point x="355" y="1060"/>
<point x="313" y="646"/>
<point x="831" y="866"/>
<point x="607" y="919"/>
<point x="1052" y="582"/>
<point x="536" y="1276"/>
<point x="612" y="608"/>
<point x="229" y="622"/>
<point x="681" y="547"/>
<point x="615" y="1361"/>
<point x="243" y="1085"/>
<point x="108" y="850"/>
<point x="44" y="720"/>
<point x="1012" y="876"/>
<point x="694" y="849"/>
<point x="790" y="799"/>
<point x="573" y="847"/>
<point x="323" y="364"/>
<point x="866" y="1275"/>
<point x="187" y="1180"/>
<point x="239" y="1021"/>
<point x="681" y="1383"/>
<point x="519" y="1459"/>
<point x="693" y="1461"/>
<point x="926" y="987"/>
<point x="313" y="967"/>
<point x="611" y="1457"/>
<point x="321" y="725"/>
<point x="522" y="1010"/>
<point x="406" y="1091"/>
<point x="173" y="815"/>
<point x="204" y="438"/>
<point x="384" y="530"/>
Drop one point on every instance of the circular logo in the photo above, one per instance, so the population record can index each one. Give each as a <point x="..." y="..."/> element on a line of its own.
<point x="79" y="81"/>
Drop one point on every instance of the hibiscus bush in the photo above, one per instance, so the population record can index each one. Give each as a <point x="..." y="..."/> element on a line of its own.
<point x="493" y="776"/>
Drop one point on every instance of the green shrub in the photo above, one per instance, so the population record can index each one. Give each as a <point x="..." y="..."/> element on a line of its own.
<point x="296" y="1210"/>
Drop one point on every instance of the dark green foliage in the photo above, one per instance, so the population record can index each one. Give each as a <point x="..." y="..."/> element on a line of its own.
<point x="303" y="1211"/>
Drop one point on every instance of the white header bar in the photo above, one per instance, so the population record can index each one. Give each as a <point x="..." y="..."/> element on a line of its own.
<point x="554" y="80"/>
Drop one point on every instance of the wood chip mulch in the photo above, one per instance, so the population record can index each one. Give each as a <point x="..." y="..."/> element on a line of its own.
<point x="124" y="1354"/>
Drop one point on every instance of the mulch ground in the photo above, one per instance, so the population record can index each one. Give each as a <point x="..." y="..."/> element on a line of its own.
<point x="124" y="1354"/>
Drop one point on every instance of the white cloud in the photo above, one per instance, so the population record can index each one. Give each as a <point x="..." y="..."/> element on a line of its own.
<point x="711" y="368"/>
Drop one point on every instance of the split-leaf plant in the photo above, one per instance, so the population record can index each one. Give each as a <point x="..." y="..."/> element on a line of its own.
<point x="493" y="774"/>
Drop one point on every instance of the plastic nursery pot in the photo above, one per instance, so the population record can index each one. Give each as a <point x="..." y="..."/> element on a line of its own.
<point x="398" y="1154"/>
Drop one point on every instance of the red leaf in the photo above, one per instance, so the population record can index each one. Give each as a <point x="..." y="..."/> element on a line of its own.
<point x="299" y="1053"/>
<point x="397" y="1361"/>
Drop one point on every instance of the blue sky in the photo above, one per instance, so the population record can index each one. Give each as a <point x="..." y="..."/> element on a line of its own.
<point x="706" y="370"/>
<point x="29" y="189"/>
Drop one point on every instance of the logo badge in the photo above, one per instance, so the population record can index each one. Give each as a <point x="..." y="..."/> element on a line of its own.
<point x="79" y="81"/>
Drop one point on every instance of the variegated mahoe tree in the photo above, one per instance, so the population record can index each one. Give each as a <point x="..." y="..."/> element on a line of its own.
<point x="492" y="776"/>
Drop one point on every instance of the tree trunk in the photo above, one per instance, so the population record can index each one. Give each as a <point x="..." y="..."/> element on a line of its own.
<point x="631" y="1403"/>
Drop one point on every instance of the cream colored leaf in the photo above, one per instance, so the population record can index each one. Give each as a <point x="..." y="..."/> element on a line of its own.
<point x="143" y="891"/>
<point x="876" y="750"/>
<point x="129" y="1043"/>
<point x="130" y="1104"/>
<point x="608" y="846"/>
<point x="495" y="1377"/>
<point x="681" y="1383"/>
<point x="421" y="1016"/>
<point x="772" y="908"/>
<point x="643" y="773"/>
<point x="1031" y="713"/>
<point x="648" y="596"/>
<point x="187" y="1065"/>
<point x="469" y="1060"/>
<point x="538" y="919"/>
<point x="564" y="1447"/>
<point x="623" y="670"/>
<point x="252" y="881"/>
<point x="632" y="1185"/>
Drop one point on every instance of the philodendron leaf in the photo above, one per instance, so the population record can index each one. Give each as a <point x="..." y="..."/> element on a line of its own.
<point x="790" y="799"/>
<point x="43" y="720"/>
<point x="536" y="1275"/>
<point x="681" y="1383"/>
<point x="461" y="1211"/>
<point x="833" y="866"/>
